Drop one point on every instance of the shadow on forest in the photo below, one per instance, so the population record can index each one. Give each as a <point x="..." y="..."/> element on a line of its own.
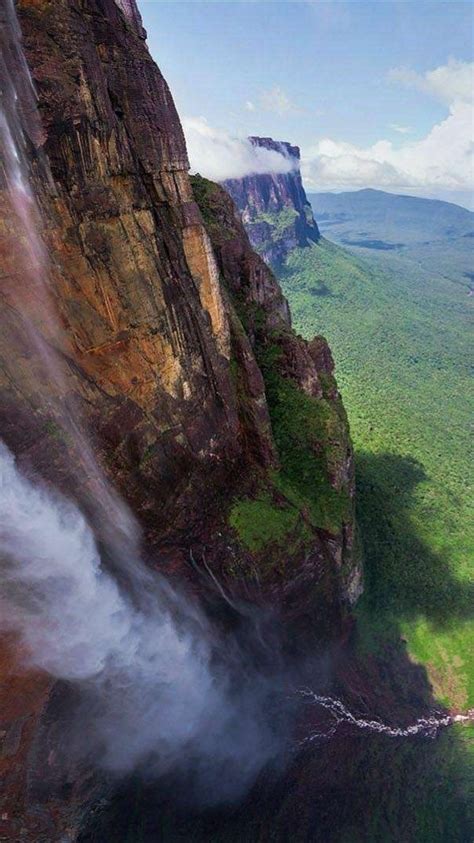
<point x="356" y="787"/>
<point x="403" y="576"/>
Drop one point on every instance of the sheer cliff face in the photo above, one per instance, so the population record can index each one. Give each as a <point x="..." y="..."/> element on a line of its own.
<point x="205" y="411"/>
<point x="274" y="207"/>
<point x="145" y="337"/>
<point x="132" y="14"/>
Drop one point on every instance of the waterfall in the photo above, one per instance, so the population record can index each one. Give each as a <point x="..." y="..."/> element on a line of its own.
<point x="157" y="686"/>
<point x="30" y="294"/>
<point x="20" y="130"/>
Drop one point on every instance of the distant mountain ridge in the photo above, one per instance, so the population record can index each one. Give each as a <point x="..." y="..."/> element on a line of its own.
<point x="419" y="218"/>
<point x="274" y="208"/>
<point x="435" y="235"/>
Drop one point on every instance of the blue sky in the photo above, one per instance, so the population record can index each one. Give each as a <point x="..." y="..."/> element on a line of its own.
<point x="335" y="78"/>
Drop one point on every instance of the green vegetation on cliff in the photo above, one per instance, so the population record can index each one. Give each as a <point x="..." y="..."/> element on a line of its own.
<point x="260" y="521"/>
<point x="311" y="438"/>
<point x="279" y="220"/>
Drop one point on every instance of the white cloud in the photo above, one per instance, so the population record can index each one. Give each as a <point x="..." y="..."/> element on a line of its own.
<point x="448" y="83"/>
<point x="276" y="100"/>
<point x="441" y="161"/>
<point x="402" y="130"/>
<point x="219" y="156"/>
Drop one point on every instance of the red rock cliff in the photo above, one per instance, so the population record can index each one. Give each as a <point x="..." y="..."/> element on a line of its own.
<point x="177" y="356"/>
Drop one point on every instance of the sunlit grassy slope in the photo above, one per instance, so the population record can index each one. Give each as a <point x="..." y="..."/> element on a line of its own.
<point x="402" y="349"/>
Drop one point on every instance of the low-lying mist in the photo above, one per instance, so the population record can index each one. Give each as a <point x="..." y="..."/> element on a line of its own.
<point x="158" y="687"/>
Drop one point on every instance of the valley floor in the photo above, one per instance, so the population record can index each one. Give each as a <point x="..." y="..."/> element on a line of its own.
<point x="400" y="342"/>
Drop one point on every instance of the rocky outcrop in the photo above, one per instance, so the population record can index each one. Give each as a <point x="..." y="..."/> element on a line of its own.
<point x="172" y="351"/>
<point x="308" y="423"/>
<point x="274" y="207"/>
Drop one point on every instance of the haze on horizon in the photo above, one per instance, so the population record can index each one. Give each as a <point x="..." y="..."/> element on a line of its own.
<point x="376" y="95"/>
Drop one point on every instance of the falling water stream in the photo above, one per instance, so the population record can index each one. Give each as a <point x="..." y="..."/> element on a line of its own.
<point x="157" y="685"/>
<point x="20" y="131"/>
<point x="30" y="294"/>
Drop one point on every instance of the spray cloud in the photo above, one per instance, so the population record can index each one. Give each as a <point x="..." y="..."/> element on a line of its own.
<point x="154" y="688"/>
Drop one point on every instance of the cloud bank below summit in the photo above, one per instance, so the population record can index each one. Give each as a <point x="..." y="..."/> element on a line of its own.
<point x="440" y="164"/>
<point x="219" y="156"/>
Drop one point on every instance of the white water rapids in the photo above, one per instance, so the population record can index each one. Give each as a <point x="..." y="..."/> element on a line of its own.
<point x="425" y="726"/>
